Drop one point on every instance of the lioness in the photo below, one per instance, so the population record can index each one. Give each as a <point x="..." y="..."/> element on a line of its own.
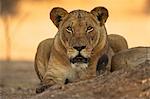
<point x="79" y="49"/>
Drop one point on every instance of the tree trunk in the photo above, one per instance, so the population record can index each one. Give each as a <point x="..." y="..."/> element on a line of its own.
<point x="147" y="8"/>
<point x="7" y="38"/>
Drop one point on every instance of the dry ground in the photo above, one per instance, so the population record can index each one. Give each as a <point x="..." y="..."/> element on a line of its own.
<point x="18" y="81"/>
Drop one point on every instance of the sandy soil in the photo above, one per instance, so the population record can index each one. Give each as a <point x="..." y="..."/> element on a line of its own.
<point x="18" y="80"/>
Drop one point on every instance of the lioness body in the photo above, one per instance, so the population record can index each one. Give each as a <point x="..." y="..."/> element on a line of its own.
<point x="117" y="42"/>
<point x="80" y="46"/>
<point x="43" y="52"/>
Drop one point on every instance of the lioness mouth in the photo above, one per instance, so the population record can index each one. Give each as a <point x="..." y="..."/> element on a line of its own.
<point x="79" y="59"/>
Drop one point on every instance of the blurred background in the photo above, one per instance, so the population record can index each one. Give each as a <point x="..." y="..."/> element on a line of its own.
<point x="24" y="23"/>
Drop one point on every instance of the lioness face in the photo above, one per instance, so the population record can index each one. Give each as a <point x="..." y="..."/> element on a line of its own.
<point x="80" y="31"/>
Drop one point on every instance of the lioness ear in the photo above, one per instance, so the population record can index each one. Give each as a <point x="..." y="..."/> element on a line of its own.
<point x="57" y="14"/>
<point x="101" y="14"/>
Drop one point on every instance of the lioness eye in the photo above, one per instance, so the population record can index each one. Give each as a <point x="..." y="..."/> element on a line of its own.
<point x="69" y="29"/>
<point x="89" y="29"/>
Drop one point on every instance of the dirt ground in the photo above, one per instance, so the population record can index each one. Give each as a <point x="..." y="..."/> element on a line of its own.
<point x="18" y="80"/>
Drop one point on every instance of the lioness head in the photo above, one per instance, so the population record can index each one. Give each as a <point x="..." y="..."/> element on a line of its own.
<point x="80" y="31"/>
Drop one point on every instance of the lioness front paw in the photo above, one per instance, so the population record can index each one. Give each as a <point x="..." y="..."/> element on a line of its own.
<point x="45" y="87"/>
<point x="42" y="88"/>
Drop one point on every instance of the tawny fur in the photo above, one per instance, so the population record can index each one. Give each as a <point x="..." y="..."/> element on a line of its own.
<point x="117" y="42"/>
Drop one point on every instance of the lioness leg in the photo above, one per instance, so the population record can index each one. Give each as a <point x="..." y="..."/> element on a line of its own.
<point x="55" y="78"/>
<point x="42" y="57"/>
<point x="117" y="42"/>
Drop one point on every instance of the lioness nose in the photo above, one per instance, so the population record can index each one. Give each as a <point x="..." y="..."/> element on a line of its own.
<point x="79" y="48"/>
